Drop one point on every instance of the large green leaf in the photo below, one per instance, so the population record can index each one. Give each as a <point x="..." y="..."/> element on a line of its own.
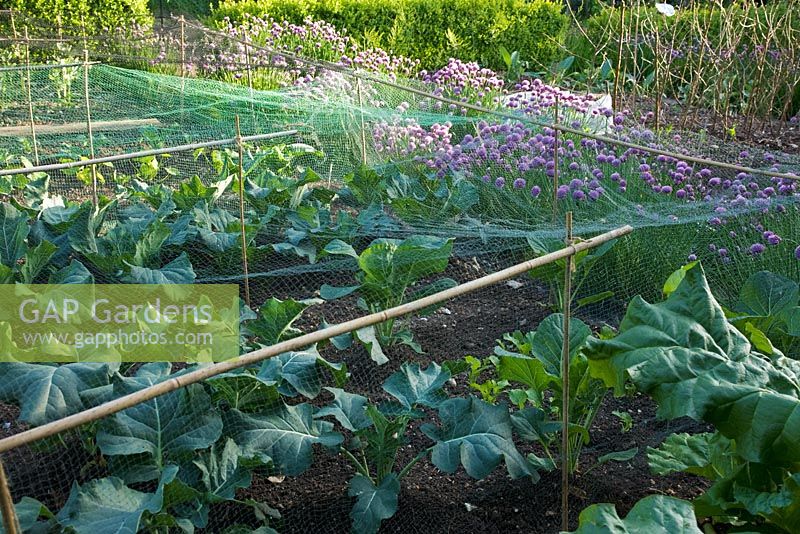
<point x="74" y="273"/>
<point x="107" y="505"/>
<point x="49" y="392"/>
<point x="655" y="514"/>
<point x="28" y="512"/>
<point x="13" y="231"/>
<point x="348" y="408"/>
<point x="168" y="427"/>
<point x="477" y="435"/>
<point x="538" y="365"/>
<point x="220" y="472"/>
<point x="36" y="259"/>
<point x="294" y="372"/>
<point x="369" y="337"/>
<point x="245" y="390"/>
<point x="413" y="386"/>
<point x="710" y="455"/>
<point x="373" y="503"/>
<point x="178" y="271"/>
<point x="694" y="363"/>
<point x="390" y="266"/>
<point x="284" y="436"/>
<point x="766" y="293"/>
<point x="274" y="322"/>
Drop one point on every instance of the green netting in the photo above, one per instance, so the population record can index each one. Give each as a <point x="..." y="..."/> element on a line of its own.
<point x="374" y="156"/>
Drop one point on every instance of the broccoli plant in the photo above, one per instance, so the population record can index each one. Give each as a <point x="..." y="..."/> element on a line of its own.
<point x="388" y="270"/>
<point x="553" y="273"/>
<point x="473" y="433"/>
<point x="527" y="368"/>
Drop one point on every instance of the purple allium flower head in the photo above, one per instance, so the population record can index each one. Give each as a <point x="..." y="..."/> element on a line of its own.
<point x="757" y="248"/>
<point x="562" y="191"/>
<point x="680" y="193"/>
<point x="535" y="191"/>
<point x="692" y="257"/>
<point x="797" y="253"/>
<point x="500" y="183"/>
<point x="519" y="183"/>
<point x="723" y="252"/>
<point x="774" y="239"/>
<point x="578" y="195"/>
<point x="594" y="194"/>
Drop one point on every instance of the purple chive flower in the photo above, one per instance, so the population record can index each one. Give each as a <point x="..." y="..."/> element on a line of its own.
<point x="519" y="183"/>
<point x="562" y="191"/>
<point x="723" y="252"/>
<point x="578" y="195"/>
<point x="692" y="257"/>
<point x="500" y="183"/>
<point x="535" y="191"/>
<point x="757" y="248"/>
<point x="774" y="239"/>
<point x="797" y="253"/>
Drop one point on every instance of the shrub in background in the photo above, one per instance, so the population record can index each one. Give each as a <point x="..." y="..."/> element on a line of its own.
<point x="98" y="15"/>
<point x="429" y="30"/>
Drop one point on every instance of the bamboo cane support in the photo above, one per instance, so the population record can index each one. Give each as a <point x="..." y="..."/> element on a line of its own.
<point x="363" y="132"/>
<point x="617" y="75"/>
<point x="565" y="458"/>
<point x="144" y="395"/>
<point x="30" y="95"/>
<point x="89" y="122"/>
<point x="555" y="161"/>
<point x="245" y="270"/>
<point x="10" y="522"/>
<point x="143" y="153"/>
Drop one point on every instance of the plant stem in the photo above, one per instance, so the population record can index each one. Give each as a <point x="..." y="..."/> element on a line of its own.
<point x="417" y="458"/>
<point x="362" y="469"/>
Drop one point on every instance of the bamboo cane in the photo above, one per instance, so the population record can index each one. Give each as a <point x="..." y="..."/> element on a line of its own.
<point x="171" y="384"/>
<point x="555" y="162"/>
<point x="363" y="133"/>
<point x="617" y="75"/>
<point x="30" y="95"/>
<point x="89" y="123"/>
<point x="143" y="153"/>
<point x="245" y="270"/>
<point x="565" y="458"/>
<point x="10" y="522"/>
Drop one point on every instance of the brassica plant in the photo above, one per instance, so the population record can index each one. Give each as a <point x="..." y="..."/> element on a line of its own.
<point x="553" y="273"/>
<point x="471" y="433"/>
<point x="388" y="270"/>
<point x="686" y="354"/>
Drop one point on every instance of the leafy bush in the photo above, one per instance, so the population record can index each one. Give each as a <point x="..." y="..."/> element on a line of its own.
<point x="687" y="355"/>
<point x="98" y="15"/>
<point x="429" y="30"/>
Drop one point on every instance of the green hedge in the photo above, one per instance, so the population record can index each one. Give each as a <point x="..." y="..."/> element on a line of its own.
<point x="97" y="14"/>
<point x="429" y="30"/>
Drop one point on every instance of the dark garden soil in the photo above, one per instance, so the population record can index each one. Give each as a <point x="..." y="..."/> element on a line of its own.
<point x="430" y="501"/>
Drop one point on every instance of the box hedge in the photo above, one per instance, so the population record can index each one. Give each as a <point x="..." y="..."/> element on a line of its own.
<point x="429" y="30"/>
